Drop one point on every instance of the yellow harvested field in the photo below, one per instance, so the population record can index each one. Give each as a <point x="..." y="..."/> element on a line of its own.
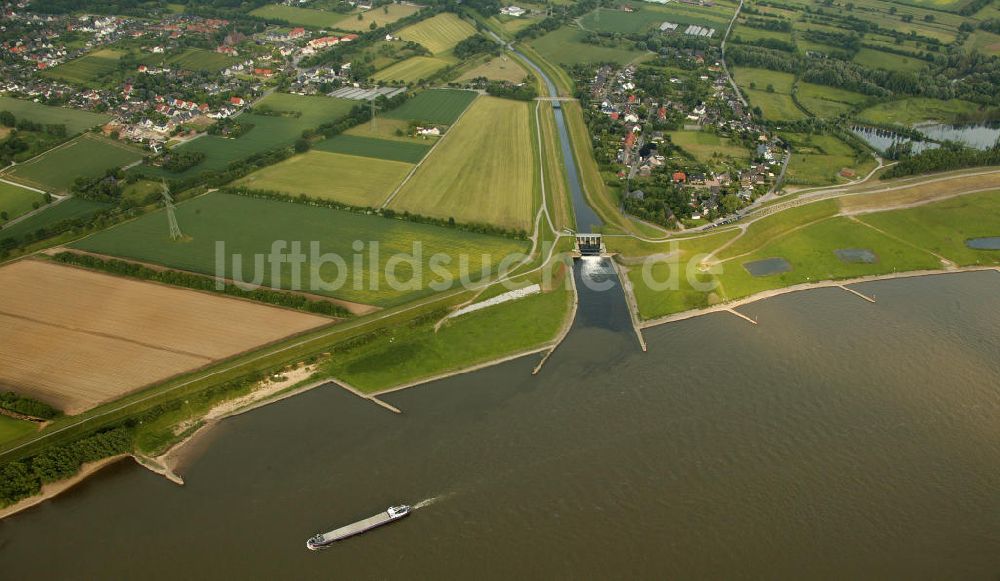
<point x="482" y="170"/>
<point x="891" y="195"/>
<point x="438" y="34"/>
<point x="501" y="68"/>
<point x="74" y="338"/>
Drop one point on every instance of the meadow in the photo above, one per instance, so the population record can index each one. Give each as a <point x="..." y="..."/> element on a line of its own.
<point x="918" y="109"/>
<point x="199" y="59"/>
<point x="249" y="226"/>
<point x="75" y="120"/>
<point x="776" y="105"/>
<point x="405" y="151"/>
<point x="306" y="17"/>
<point x="380" y="15"/>
<point x="985" y="42"/>
<point x="80" y="349"/>
<point x="16" y="201"/>
<point x="413" y="69"/>
<point x="823" y="101"/>
<point x="438" y="34"/>
<point x="358" y="181"/>
<point x="11" y="429"/>
<point x="565" y="46"/>
<point x="877" y="59"/>
<point x="616" y="20"/>
<point x="818" y="159"/>
<point x="435" y="106"/>
<point x="269" y="131"/>
<point x="66" y="210"/>
<point x="707" y="147"/>
<point x="483" y="170"/>
<point x="86" y="156"/>
<point x="89" y="69"/>
<point x="387" y="129"/>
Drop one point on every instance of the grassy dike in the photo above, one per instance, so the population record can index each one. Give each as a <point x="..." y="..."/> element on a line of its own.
<point x="926" y="237"/>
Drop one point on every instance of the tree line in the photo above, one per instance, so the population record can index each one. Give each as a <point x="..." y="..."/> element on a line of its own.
<point x="26" y="406"/>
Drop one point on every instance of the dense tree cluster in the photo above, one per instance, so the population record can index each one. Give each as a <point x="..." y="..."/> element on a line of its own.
<point x="941" y="159"/>
<point x="27" y="406"/>
<point x="475" y="44"/>
<point x="179" y="160"/>
<point x="522" y="92"/>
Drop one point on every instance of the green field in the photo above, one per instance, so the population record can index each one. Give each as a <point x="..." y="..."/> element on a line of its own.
<point x="985" y="42"/>
<point x="435" y="106"/>
<point x="249" y="226"/>
<point x="71" y="208"/>
<point x="878" y="59"/>
<point x="413" y="69"/>
<point x="388" y="129"/>
<point x="818" y="159"/>
<point x="483" y="170"/>
<point x="776" y="105"/>
<point x="380" y="15"/>
<point x="86" y="156"/>
<point x="75" y="120"/>
<point x="616" y="20"/>
<point x="823" y="101"/>
<point x="565" y="46"/>
<point x="501" y="68"/>
<point x="405" y="151"/>
<point x="917" y="109"/>
<point x="199" y="59"/>
<point x="11" y="429"/>
<point x="438" y="34"/>
<point x="710" y="148"/>
<point x="943" y="227"/>
<point x="17" y="201"/>
<point x="268" y="131"/>
<point x="358" y="181"/>
<point x="307" y="17"/>
<point x="89" y="69"/>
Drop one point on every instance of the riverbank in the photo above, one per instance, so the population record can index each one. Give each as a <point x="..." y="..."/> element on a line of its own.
<point x="730" y="305"/>
<point x="53" y="489"/>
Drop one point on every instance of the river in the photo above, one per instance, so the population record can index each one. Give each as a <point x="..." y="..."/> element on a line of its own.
<point x="836" y="439"/>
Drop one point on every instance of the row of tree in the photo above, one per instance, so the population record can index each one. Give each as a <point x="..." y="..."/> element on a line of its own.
<point x="27" y="406"/>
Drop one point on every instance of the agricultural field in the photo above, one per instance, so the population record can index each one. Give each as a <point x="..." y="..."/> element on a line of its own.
<point x="249" y="226"/>
<point x="501" y="68"/>
<point x="877" y="59"/>
<point x="438" y="34"/>
<point x="483" y="170"/>
<point x="565" y="46"/>
<point x="405" y="151"/>
<point x="709" y="148"/>
<point x="380" y="15"/>
<point x="269" y="131"/>
<point x="616" y="20"/>
<point x="307" y="17"/>
<point x="75" y="120"/>
<point x="413" y="69"/>
<point x="199" y="59"/>
<point x="86" y="156"/>
<point x="823" y="101"/>
<point x="16" y="201"/>
<point x="511" y="24"/>
<point x="358" y="181"/>
<point x="74" y="348"/>
<point x="388" y="129"/>
<point x="776" y="105"/>
<point x="435" y="106"/>
<point x="918" y="109"/>
<point x="89" y="69"/>
<point x="66" y="210"/>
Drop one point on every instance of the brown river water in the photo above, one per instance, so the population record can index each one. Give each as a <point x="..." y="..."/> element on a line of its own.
<point x="837" y="439"/>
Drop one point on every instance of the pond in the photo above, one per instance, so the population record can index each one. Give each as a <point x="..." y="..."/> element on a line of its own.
<point x="977" y="136"/>
<point x="768" y="266"/>
<point x="882" y="139"/>
<point x="856" y="255"/>
<point x="987" y="243"/>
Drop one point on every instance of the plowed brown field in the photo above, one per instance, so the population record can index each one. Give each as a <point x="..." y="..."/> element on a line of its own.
<point x="74" y="338"/>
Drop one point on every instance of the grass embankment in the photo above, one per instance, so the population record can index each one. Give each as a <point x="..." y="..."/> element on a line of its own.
<point x="917" y="109"/>
<point x="417" y="352"/>
<point x="808" y="236"/>
<point x="482" y="172"/>
<point x="12" y="429"/>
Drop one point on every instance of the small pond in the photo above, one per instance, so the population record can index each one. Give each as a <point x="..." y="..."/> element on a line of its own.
<point x="856" y="255"/>
<point x="987" y="243"/>
<point x="767" y="267"/>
